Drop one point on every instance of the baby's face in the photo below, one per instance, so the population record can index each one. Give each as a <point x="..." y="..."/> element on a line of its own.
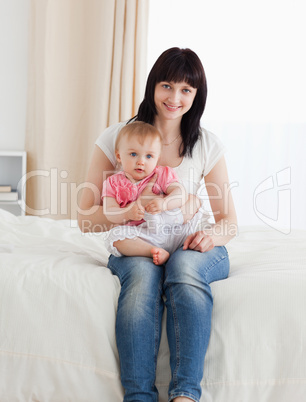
<point x="138" y="160"/>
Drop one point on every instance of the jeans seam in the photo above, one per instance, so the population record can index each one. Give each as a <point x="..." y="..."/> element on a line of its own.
<point x="177" y="345"/>
<point x="114" y="270"/>
<point x="224" y="248"/>
<point x="213" y="265"/>
<point x="157" y="327"/>
<point x="217" y="262"/>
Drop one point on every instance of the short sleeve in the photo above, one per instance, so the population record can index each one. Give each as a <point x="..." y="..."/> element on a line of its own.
<point x="213" y="149"/>
<point x="106" y="141"/>
<point x="108" y="189"/>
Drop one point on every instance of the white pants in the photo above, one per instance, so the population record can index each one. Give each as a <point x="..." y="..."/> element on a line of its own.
<point x="165" y="230"/>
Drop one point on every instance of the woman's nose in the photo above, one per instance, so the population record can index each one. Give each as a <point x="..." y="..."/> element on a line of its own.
<point x="174" y="96"/>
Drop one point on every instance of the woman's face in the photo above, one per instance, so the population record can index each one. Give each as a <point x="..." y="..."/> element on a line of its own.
<point x="173" y="99"/>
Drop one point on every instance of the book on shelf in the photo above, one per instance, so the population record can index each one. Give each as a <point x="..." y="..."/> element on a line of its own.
<point x="5" y="188"/>
<point x="9" y="196"/>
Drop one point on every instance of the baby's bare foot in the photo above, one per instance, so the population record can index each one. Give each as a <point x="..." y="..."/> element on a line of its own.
<point x="159" y="255"/>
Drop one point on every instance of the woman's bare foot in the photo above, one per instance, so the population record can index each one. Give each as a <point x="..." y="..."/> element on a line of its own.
<point x="159" y="255"/>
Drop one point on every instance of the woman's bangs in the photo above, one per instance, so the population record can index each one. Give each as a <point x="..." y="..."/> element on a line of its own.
<point x="182" y="73"/>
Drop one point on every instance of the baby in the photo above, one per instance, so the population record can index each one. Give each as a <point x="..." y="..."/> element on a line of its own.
<point x="158" y="228"/>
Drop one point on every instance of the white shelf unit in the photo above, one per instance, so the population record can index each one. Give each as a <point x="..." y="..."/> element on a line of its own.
<point x="13" y="169"/>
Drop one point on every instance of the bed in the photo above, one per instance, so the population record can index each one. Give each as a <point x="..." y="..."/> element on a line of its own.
<point x="58" y="306"/>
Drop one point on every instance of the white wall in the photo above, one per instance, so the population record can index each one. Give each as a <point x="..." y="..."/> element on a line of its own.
<point x="13" y="72"/>
<point x="255" y="62"/>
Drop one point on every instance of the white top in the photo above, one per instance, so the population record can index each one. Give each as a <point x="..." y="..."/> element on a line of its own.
<point x="206" y="153"/>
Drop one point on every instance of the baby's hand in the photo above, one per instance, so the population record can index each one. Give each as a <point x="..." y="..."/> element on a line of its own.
<point x="155" y="206"/>
<point x="135" y="212"/>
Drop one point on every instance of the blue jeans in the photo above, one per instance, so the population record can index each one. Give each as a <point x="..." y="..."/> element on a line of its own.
<point x="184" y="280"/>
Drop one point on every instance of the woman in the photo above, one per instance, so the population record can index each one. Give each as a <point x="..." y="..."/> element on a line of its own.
<point x="174" y="102"/>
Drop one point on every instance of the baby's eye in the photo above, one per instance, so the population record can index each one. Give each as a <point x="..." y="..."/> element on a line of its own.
<point x="149" y="156"/>
<point x="133" y="154"/>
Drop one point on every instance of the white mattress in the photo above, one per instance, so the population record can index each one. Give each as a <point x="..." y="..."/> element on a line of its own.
<point x="58" y="305"/>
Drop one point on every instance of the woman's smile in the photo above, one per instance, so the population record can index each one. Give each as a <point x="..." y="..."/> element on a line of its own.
<point x="172" y="108"/>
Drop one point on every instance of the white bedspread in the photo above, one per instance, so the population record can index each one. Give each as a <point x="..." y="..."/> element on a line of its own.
<point x="58" y="305"/>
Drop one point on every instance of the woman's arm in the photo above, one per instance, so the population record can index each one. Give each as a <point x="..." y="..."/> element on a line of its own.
<point x="222" y="205"/>
<point x="90" y="213"/>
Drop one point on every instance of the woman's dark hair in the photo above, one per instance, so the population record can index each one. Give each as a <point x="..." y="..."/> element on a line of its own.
<point x="177" y="65"/>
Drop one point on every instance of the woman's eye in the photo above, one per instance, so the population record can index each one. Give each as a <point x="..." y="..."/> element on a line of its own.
<point x="187" y="91"/>
<point x="166" y="86"/>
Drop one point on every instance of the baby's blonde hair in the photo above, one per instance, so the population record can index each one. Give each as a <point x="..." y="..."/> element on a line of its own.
<point x="139" y="129"/>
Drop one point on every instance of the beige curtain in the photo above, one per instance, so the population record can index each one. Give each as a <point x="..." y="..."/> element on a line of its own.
<point x="87" y="70"/>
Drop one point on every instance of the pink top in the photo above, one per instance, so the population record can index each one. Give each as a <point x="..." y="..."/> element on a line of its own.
<point x="124" y="191"/>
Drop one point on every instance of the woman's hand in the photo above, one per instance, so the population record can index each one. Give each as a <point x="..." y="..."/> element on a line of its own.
<point x="199" y="241"/>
